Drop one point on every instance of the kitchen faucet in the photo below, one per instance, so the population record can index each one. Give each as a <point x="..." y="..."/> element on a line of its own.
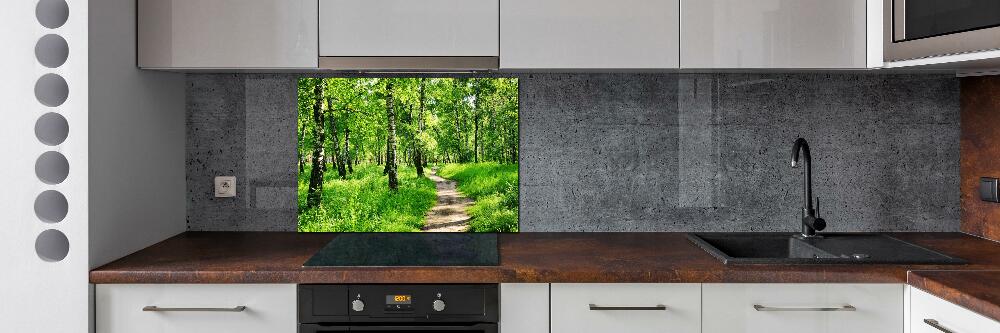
<point x="810" y="221"/>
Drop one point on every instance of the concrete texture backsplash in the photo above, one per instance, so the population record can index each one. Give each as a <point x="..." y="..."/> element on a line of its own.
<point x="640" y="152"/>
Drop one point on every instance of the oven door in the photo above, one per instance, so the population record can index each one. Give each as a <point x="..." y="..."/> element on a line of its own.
<point x="474" y="328"/>
<point x="916" y="29"/>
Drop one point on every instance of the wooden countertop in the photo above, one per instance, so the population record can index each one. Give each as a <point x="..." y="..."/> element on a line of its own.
<point x="978" y="291"/>
<point x="277" y="257"/>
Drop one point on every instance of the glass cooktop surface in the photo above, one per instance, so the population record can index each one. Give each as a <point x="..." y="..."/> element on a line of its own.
<point x="408" y="249"/>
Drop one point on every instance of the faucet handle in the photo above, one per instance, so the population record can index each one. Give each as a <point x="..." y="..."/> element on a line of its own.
<point x="817" y="206"/>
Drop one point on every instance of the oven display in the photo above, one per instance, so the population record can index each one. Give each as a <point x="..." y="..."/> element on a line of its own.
<point x="398" y="299"/>
<point x="399" y="303"/>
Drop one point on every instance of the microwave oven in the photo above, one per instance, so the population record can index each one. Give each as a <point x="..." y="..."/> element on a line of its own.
<point x="915" y="29"/>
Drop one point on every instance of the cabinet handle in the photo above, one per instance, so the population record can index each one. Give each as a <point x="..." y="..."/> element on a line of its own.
<point x="658" y="307"/>
<point x="848" y="307"/>
<point x="935" y="324"/>
<point x="154" y="308"/>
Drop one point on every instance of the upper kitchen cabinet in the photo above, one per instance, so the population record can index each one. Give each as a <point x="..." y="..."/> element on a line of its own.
<point x="780" y="34"/>
<point x="589" y="34"/>
<point x="409" y="34"/>
<point x="207" y="34"/>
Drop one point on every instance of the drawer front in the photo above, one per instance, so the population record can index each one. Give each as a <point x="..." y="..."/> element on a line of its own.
<point x="946" y="315"/>
<point x="776" y="308"/>
<point x="571" y="310"/>
<point x="269" y="308"/>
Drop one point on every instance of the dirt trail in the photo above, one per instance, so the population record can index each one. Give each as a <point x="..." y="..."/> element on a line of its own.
<point x="448" y="215"/>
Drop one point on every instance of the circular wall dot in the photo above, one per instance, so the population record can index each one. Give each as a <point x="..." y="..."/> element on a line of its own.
<point x="52" y="167"/>
<point x="52" y="245"/>
<point x="52" y="13"/>
<point x="51" y="90"/>
<point x="51" y="51"/>
<point x="51" y="206"/>
<point x="51" y="129"/>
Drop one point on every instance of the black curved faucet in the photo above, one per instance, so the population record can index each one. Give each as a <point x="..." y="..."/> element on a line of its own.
<point x="810" y="221"/>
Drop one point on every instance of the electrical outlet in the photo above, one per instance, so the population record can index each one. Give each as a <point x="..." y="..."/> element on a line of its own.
<point x="225" y="187"/>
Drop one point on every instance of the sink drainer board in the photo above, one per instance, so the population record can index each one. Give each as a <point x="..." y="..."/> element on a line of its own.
<point x="834" y="248"/>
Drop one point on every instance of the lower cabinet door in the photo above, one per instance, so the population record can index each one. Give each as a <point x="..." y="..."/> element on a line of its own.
<point x="190" y="308"/>
<point x="800" y="308"/>
<point x="930" y="314"/>
<point x="621" y="307"/>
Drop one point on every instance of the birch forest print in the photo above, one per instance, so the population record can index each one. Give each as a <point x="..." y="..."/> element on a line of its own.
<point x="407" y="155"/>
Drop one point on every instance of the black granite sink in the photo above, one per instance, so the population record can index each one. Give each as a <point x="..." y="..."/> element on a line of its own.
<point x="845" y="248"/>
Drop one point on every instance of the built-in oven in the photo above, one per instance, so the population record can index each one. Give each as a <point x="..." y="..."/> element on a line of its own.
<point x="386" y="308"/>
<point x="928" y="28"/>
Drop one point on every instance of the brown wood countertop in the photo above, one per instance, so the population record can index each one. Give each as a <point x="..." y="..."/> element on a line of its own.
<point x="978" y="291"/>
<point x="277" y="257"/>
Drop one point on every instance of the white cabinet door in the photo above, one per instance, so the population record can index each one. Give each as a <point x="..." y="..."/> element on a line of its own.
<point x="778" y="308"/>
<point x="227" y="33"/>
<point x="626" y="307"/>
<point x="269" y="308"/>
<point x="409" y="28"/>
<point x="773" y="34"/>
<point x="927" y="310"/>
<point x="524" y="308"/>
<point x="589" y="34"/>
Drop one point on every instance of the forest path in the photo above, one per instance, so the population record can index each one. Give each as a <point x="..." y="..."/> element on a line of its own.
<point x="448" y="215"/>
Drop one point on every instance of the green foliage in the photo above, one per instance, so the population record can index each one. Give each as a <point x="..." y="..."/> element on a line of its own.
<point x="494" y="187"/>
<point x="446" y="120"/>
<point x="363" y="203"/>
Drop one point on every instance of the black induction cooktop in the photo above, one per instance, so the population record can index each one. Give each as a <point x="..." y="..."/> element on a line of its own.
<point x="408" y="249"/>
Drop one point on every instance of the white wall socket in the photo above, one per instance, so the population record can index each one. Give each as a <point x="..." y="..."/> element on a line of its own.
<point x="225" y="187"/>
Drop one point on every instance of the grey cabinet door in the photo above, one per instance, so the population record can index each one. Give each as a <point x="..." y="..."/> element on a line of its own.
<point x="228" y="33"/>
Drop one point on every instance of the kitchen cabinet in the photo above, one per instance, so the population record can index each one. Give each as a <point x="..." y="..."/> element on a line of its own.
<point x="524" y="307"/>
<point x="626" y="307"/>
<point x="930" y="314"/>
<point x="589" y="34"/>
<point x="818" y="308"/>
<point x="125" y="308"/>
<point x="195" y="34"/>
<point x="406" y="28"/>
<point x="778" y="34"/>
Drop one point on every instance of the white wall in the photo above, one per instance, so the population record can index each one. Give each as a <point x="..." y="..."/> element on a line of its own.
<point x="137" y="186"/>
<point x="38" y="295"/>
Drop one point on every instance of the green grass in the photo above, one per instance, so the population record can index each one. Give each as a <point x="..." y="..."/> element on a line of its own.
<point x="363" y="202"/>
<point x="494" y="187"/>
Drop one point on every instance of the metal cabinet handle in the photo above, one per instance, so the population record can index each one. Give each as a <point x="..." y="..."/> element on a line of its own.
<point x="848" y="307"/>
<point x="935" y="324"/>
<point x="240" y="308"/>
<point x="658" y="307"/>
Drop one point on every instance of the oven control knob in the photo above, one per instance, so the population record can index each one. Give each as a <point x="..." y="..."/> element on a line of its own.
<point x="438" y="305"/>
<point x="358" y="305"/>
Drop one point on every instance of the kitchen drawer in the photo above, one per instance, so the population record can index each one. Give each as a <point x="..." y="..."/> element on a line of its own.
<point x="948" y="316"/>
<point x="624" y="307"/>
<point x="775" y="308"/>
<point x="269" y="308"/>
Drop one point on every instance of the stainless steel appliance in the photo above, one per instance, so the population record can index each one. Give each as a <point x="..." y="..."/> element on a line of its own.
<point x="916" y="29"/>
<point x="385" y="308"/>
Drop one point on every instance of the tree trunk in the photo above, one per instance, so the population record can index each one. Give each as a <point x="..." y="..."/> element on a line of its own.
<point x="418" y="153"/>
<point x="390" y="155"/>
<point x="460" y="147"/>
<point x="347" y="150"/>
<point x="385" y="170"/>
<point x="300" y="156"/>
<point x="475" y="121"/>
<point x="338" y="159"/>
<point x="315" y="192"/>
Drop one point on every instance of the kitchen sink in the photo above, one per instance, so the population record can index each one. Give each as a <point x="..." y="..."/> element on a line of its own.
<point x="837" y="248"/>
